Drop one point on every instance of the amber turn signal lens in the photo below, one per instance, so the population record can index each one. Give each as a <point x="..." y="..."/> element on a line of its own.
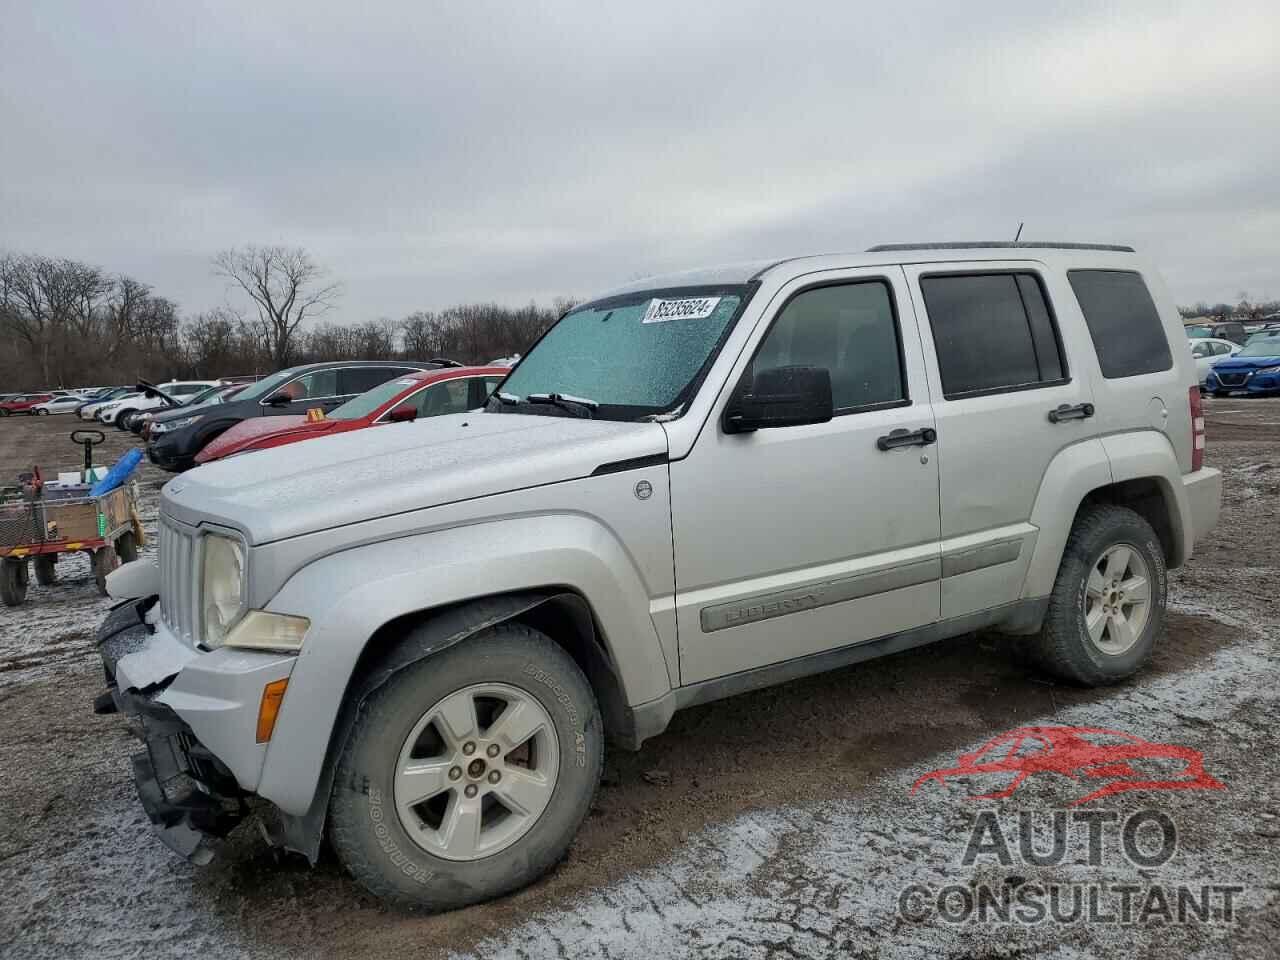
<point x="272" y="697"/>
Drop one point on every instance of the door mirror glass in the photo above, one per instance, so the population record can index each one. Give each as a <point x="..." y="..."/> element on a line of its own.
<point x="780" y="397"/>
<point x="405" y="413"/>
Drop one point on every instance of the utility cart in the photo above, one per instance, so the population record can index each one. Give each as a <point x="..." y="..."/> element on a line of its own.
<point x="42" y="522"/>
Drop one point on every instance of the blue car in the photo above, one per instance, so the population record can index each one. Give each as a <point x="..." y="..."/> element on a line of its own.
<point x="1255" y="369"/>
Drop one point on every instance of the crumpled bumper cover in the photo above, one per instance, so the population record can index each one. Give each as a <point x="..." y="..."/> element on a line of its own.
<point x="188" y="794"/>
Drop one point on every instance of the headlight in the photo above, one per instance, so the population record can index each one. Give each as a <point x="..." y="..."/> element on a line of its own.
<point x="221" y="587"/>
<point x="1268" y="370"/>
<point x="164" y="426"/>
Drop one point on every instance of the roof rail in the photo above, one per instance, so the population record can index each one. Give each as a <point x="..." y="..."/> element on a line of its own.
<point x="1000" y="245"/>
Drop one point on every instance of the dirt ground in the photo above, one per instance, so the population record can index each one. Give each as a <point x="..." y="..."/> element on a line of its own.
<point x="779" y="823"/>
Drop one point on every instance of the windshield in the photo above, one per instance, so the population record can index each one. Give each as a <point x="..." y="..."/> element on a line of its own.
<point x="204" y="396"/>
<point x="1266" y="347"/>
<point x="267" y="385"/>
<point x="635" y="355"/>
<point x="371" y="400"/>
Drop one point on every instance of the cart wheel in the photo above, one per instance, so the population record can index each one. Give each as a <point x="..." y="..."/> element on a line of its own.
<point x="127" y="547"/>
<point x="104" y="561"/>
<point x="13" y="582"/>
<point x="107" y="558"/>
<point x="46" y="569"/>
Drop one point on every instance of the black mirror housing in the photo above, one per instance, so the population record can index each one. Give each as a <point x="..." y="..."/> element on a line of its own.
<point x="780" y="397"/>
<point x="279" y="400"/>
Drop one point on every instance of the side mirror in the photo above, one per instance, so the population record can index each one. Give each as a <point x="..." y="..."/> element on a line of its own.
<point x="279" y="400"/>
<point x="780" y="397"/>
<point x="405" y="413"/>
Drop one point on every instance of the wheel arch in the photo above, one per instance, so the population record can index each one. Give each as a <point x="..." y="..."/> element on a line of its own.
<point x="1136" y="470"/>
<point x="562" y="614"/>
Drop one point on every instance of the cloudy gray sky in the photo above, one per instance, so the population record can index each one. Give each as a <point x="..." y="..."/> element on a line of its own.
<point x="432" y="153"/>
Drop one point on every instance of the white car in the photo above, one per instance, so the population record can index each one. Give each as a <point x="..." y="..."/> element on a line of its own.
<point x="117" y="411"/>
<point x="62" y="404"/>
<point x="91" y="407"/>
<point x="1209" y="350"/>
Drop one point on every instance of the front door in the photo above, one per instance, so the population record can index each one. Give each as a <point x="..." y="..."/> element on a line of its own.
<point x="796" y="540"/>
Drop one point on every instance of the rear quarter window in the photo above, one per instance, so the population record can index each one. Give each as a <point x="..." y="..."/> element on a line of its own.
<point x="1123" y="322"/>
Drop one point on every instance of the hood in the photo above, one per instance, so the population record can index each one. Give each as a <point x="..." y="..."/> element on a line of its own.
<point x="1246" y="363"/>
<point x="236" y="437"/>
<point x="363" y="474"/>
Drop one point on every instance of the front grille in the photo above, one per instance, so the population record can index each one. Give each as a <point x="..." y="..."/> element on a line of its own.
<point x="178" y="586"/>
<point x="1231" y="379"/>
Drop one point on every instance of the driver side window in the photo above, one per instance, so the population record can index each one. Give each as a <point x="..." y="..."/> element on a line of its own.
<point x="442" y="398"/>
<point x="851" y="330"/>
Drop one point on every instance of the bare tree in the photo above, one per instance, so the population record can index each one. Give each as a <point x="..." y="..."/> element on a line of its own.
<point x="285" y="285"/>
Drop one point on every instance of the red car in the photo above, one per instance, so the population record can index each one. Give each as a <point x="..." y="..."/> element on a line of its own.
<point x="427" y="393"/>
<point x="23" y="403"/>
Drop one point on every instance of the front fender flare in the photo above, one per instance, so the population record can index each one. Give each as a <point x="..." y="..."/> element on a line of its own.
<point x="350" y="595"/>
<point x="302" y="833"/>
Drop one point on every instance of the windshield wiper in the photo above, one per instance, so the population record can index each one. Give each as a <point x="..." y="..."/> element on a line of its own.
<point x="578" y="406"/>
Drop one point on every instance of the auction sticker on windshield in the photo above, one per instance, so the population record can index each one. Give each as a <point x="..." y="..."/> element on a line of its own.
<point x="697" y="308"/>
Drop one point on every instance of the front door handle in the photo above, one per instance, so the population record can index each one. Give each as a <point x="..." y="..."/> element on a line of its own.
<point x="1065" y="411"/>
<point x="907" y="438"/>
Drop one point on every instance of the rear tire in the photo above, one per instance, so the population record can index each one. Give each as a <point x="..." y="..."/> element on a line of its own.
<point x="421" y="853"/>
<point x="46" y="570"/>
<point x="13" y="582"/>
<point x="1108" y="602"/>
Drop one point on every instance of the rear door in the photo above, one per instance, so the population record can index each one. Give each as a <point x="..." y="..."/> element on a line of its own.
<point x="1008" y="398"/>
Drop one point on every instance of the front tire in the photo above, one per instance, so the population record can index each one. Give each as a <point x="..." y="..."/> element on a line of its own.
<point x="468" y="773"/>
<point x="1108" y="603"/>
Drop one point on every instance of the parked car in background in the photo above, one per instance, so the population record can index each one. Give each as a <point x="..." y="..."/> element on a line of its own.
<point x="89" y="409"/>
<point x="1208" y="350"/>
<point x="427" y="393"/>
<point x="23" y="403"/>
<point x="220" y="394"/>
<point x="120" y="412"/>
<point x="1255" y="369"/>
<point x="1218" y="330"/>
<point x="67" y="403"/>
<point x="323" y="386"/>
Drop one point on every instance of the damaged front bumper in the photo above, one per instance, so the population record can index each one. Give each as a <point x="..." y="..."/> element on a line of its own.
<point x="189" y="793"/>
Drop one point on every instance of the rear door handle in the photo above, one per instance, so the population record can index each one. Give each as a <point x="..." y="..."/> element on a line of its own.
<point x="1065" y="411"/>
<point x="907" y="438"/>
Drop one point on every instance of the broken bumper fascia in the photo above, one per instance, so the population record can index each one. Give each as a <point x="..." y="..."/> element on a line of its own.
<point x="190" y="794"/>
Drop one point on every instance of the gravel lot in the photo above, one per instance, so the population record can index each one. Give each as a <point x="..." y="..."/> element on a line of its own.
<point x="779" y="823"/>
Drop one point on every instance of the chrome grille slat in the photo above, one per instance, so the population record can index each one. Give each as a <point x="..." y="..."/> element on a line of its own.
<point x="177" y="587"/>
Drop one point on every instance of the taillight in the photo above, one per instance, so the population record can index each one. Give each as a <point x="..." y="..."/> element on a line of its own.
<point x="1197" y="428"/>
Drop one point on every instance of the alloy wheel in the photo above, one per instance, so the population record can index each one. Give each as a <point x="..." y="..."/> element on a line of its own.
<point x="1117" y="599"/>
<point x="476" y="771"/>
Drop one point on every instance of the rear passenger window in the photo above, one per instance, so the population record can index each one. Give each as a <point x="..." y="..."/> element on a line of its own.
<point x="360" y="379"/>
<point x="992" y="332"/>
<point x="1122" y="319"/>
<point x="849" y="329"/>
